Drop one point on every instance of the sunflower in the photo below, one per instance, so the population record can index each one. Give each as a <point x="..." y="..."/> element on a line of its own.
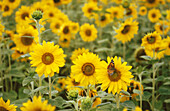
<point x="65" y="30"/>
<point x="151" y="40"/>
<point x="61" y="16"/>
<point x="89" y="8"/>
<point x="103" y="19"/>
<point x="168" y="15"/>
<point x="6" y="9"/>
<point x="71" y="83"/>
<point x="167" y="45"/>
<point x="151" y="3"/>
<point x="118" y="1"/>
<point x="22" y="14"/>
<point x="10" y="34"/>
<point x="127" y="30"/>
<point x="17" y="54"/>
<point x="64" y="42"/>
<point x="78" y="52"/>
<point x="23" y="41"/>
<point x="74" y="27"/>
<point x="1" y="28"/>
<point x="124" y="97"/>
<point x="115" y="75"/>
<point x="162" y="27"/>
<point x="138" y="53"/>
<point x="56" y="25"/>
<point x="48" y="2"/>
<point x="13" y="3"/>
<point x="6" y="106"/>
<point x="66" y="1"/>
<point x="47" y="58"/>
<point x="40" y="6"/>
<point x="88" y="32"/>
<point x="1" y="4"/>
<point x="61" y="83"/>
<point x="154" y="15"/>
<point x="137" y="108"/>
<point x="162" y="2"/>
<point x="57" y="2"/>
<point x="142" y="11"/>
<point x="37" y="105"/>
<point x="116" y="12"/>
<point x="85" y="68"/>
<point x="131" y="11"/>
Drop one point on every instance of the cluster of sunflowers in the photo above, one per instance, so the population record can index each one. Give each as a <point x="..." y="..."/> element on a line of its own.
<point x="78" y="45"/>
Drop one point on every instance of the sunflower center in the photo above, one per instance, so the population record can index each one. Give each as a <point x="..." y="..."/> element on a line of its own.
<point x="151" y="40"/>
<point x="157" y="49"/>
<point x="88" y="32"/>
<point x="153" y="15"/>
<point x="57" y="26"/>
<point x="161" y="27"/>
<point x="40" y="9"/>
<point x="56" y="1"/>
<point x="24" y="15"/>
<point x="19" y="52"/>
<point x="141" y="52"/>
<point x="169" y="45"/>
<point x="115" y="76"/>
<point x="65" y="40"/>
<point x="51" y="14"/>
<point x="47" y="58"/>
<point x="143" y="10"/>
<point x="128" y="11"/>
<point x="90" y="10"/>
<point x="12" y="0"/>
<point x="3" y="109"/>
<point x="103" y="18"/>
<point x="75" y="83"/>
<point x="88" y="69"/>
<point x="25" y="40"/>
<point x="115" y="13"/>
<point x="126" y="29"/>
<point x="151" y="1"/>
<point x="6" y="8"/>
<point x="38" y="109"/>
<point x="66" y="30"/>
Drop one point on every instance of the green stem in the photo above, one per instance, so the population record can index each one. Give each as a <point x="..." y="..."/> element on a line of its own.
<point x="153" y="90"/>
<point x="2" y="83"/>
<point x="124" y="51"/>
<point x="9" y="61"/>
<point x="40" y="85"/>
<point x="140" y="79"/>
<point x="117" y="101"/>
<point x="49" y="87"/>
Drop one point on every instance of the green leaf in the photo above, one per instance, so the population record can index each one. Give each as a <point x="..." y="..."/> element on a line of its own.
<point x="53" y="93"/>
<point x="146" y="57"/>
<point x="102" y="41"/>
<point x="150" y="88"/>
<point x="38" y="89"/>
<point x="19" y="102"/>
<point x="125" y="92"/>
<point x="157" y="65"/>
<point x="164" y="91"/>
<point x="58" y="102"/>
<point x="103" y="49"/>
<point x="128" y="104"/>
<point x="158" y="105"/>
<point x="26" y="81"/>
<point x="167" y="101"/>
<point x="167" y="83"/>
<point x="146" y="95"/>
<point x="160" y="78"/>
<point x="12" y="95"/>
<point x="136" y="91"/>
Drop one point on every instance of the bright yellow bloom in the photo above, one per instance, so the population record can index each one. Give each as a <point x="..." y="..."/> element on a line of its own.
<point x="37" y="105"/>
<point x="131" y="11"/>
<point x="142" y="11"/>
<point x="162" y="27"/>
<point x="103" y="19"/>
<point x="6" y="9"/>
<point x="167" y="45"/>
<point x="66" y="30"/>
<point x="47" y="58"/>
<point x="64" y="42"/>
<point x="71" y="83"/>
<point x="56" y="25"/>
<point x="13" y="3"/>
<point x="6" y="106"/>
<point x="78" y="52"/>
<point x="116" y="12"/>
<point x="151" y="3"/>
<point x="17" y="54"/>
<point x="154" y="15"/>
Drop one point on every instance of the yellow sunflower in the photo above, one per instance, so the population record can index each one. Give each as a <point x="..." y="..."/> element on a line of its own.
<point x="137" y="108"/>
<point x="48" y="2"/>
<point x="154" y="15"/>
<point x="151" y="40"/>
<point x="22" y="14"/>
<point x="1" y="28"/>
<point x="118" y="1"/>
<point x="40" y="6"/>
<point x="142" y="11"/>
<point x="131" y="11"/>
<point x="37" y="105"/>
<point x="64" y="42"/>
<point x="6" y="9"/>
<point x="6" y="106"/>
<point x="88" y="32"/>
<point x="56" y="25"/>
<point x="57" y="2"/>
<point x="162" y="27"/>
<point x="1" y="4"/>
<point x="61" y="16"/>
<point x="71" y="83"/>
<point x="151" y="3"/>
<point x="23" y="41"/>
<point x="127" y="30"/>
<point x="66" y="30"/>
<point x="66" y="1"/>
<point x="138" y="53"/>
<point x="89" y="8"/>
<point x="10" y="34"/>
<point x="13" y="3"/>
<point x="16" y="54"/>
<point x="168" y="15"/>
<point x="78" y="52"/>
<point x="103" y="19"/>
<point x="115" y="75"/>
<point x="61" y="83"/>
<point x="85" y="68"/>
<point x="47" y="58"/>
<point x="116" y="12"/>
<point x="162" y="2"/>
<point x="74" y="27"/>
<point x="167" y="45"/>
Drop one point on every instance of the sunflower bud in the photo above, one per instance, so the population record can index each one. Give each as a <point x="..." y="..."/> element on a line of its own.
<point x="126" y="3"/>
<point x="72" y="94"/>
<point x="37" y="15"/>
<point x="86" y="103"/>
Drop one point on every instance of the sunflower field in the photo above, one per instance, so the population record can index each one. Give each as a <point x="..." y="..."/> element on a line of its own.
<point x="84" y="55"/>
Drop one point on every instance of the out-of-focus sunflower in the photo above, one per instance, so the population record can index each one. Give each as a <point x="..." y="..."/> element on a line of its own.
<point x="74" y="27"/>
<point x="23" y="41"/>
<point x="13" y="3"/>
<point x="61" y="84"/>
<point x="151" y="3"/>
<point x="10" y="34"/>
<point x="114" y="75"/>
<point x="22" y="14"/>
<point x="138" y="53"/>
<point x="40" y="6"/>
<point x="56" y="25"/>
<point x="127" y="30"/>
<point x="137" y="108"/>
<point x="154" y="15"/>
<point x="88" y="32"/>
<point x="78" y="52"/>
<point x="85" y="68"/>
<point x="57" y="2"/>
<point x="71" y="83"/>
<point x="1" y="4"/>
<point x="89" y="8"/>
<point x="167" y="45"/>
<point x="168" y="15"/>
<point x="61" y="16"/>
<point x="118" y="1"/>
<point x="66" y="1"/>
<point x="142" y="11"/>
<point x="1" y="28"/>
<point x="48" y="2"/>
<point x="103" y="19"/>
<point x="131" y="11"/>
<point x="37" y="105"/>
<point x="64" y="42"/>
<point x="6" y="106"/>
<point x="66" y="30"/>
<point x="116" y="12"/>
<point x="162" y="2"/>
<point x="6" y="9"/>
<point x="162" y="27"/>
<point x="16" y="54"/>
<point x="151" y="40"/>
<point x="47" y="58"/>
